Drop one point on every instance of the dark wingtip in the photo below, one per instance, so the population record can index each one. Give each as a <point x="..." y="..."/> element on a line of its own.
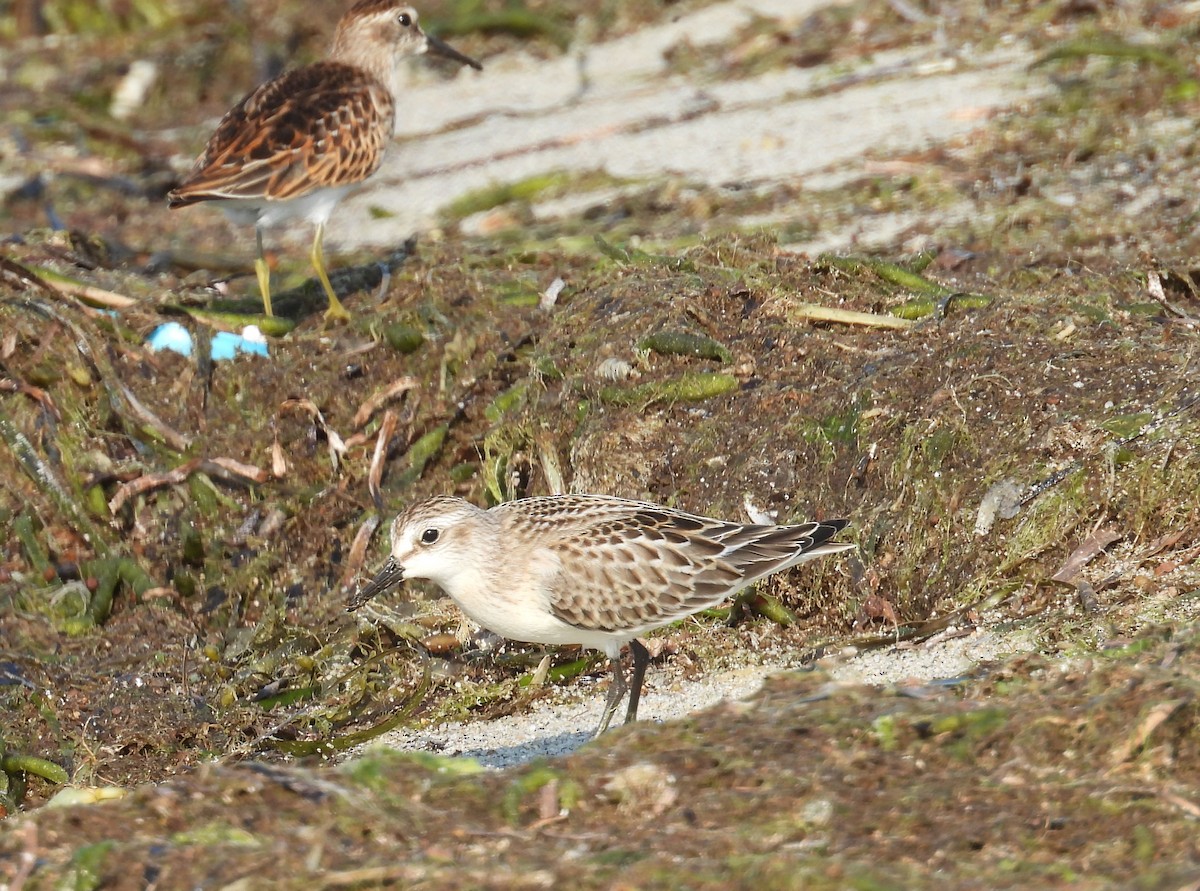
<point x="827" y="531"/>
<point x="178" y="198"/>
<point x="837" y="525"/>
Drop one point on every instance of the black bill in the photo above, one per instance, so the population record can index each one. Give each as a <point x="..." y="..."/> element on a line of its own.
<point x="391" y="574"/>
<point x="445" y="50"/>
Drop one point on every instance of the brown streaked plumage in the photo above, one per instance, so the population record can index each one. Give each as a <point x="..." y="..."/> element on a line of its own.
<point x="297" y="144"/>
<point x="588" y="569"/>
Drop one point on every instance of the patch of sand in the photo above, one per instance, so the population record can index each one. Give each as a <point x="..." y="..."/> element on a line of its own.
<point x="614" y="107"/>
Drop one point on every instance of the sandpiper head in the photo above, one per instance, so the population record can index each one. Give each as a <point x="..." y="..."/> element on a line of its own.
<point x="430" y="540"/>
<point x="433" y="539"/>
<point x="371" y="28"/>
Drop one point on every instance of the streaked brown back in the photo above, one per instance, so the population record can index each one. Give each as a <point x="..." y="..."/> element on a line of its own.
<point x="292" y="136"/>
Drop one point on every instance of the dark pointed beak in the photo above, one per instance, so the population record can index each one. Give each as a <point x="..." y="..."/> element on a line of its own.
<point x="446" y="51"/>
<point x="391" y="574"/>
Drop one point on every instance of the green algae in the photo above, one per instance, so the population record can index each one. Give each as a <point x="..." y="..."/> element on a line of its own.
<point x="684" y="343"/>
<point x="694" y="387"/>
<point x="403" y="338"/>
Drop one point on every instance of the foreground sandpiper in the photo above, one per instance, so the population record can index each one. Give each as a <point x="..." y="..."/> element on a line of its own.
<point x="296" y="145"/>
<point x="588" y="569"/>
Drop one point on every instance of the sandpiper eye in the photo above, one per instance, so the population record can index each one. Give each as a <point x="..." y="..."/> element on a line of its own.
<point x="405" y="19"/>
<point x="429" y="536"/>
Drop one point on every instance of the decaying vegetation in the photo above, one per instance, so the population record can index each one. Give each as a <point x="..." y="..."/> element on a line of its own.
<point x="1008" y="413"/>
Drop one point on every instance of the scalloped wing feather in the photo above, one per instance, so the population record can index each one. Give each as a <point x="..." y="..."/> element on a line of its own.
<point x="630" y="566"/>
<point x="620" y="587"/>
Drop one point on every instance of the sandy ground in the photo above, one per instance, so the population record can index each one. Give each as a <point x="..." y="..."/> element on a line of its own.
<point x="563" y="724"/>
<point x="614" y="107"/>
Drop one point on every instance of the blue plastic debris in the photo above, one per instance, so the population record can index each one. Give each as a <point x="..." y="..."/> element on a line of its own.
<point x="225" y="344"/>
<point x="171" y="336"/>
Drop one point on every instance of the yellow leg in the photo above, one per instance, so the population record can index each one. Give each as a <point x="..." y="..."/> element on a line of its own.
<point x="263" y="273"/>
<point x="336" y="311"/>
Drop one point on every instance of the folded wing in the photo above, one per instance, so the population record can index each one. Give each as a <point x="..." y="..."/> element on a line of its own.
<point x="291" y="136"/>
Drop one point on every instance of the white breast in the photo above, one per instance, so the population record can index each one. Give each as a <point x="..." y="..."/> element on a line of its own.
<point x="515" y="604"/>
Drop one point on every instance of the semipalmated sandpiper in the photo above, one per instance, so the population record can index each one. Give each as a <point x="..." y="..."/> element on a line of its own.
<point x="297" y="144"/>
<point x="588" y="569"/>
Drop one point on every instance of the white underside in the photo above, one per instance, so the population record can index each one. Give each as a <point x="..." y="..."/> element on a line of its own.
<point x="314" y="207"/>
<point x="525" y="621"/>
<point x="524" y="615"/>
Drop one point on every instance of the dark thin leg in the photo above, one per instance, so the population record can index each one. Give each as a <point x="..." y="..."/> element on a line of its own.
<point x="616" y="690"/>
<point x="641" y="658"/>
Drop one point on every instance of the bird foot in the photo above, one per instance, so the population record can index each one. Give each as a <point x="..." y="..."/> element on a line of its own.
<point x="336" y="313"/>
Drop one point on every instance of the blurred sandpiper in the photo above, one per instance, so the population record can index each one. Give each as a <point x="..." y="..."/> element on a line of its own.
<point x="297" y="144"/>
